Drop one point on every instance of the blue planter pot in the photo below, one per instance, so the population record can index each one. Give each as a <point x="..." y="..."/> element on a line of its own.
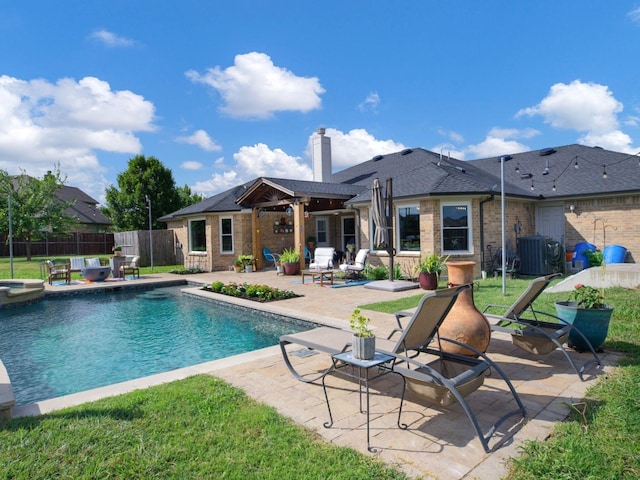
<point x="593" y="323"/>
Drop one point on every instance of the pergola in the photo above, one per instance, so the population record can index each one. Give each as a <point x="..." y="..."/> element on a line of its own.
<point x="295" y="197"/>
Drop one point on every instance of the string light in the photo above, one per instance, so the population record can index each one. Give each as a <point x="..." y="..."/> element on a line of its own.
<point x="575" y="165"/>
<point x="518" y="166"/>
<point x="554" y="186"/>
<point x="532" y="187"/>
<point x="604" y="171"/>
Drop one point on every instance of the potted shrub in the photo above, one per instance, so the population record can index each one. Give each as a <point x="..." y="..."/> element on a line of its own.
<point x="247" y="262"/>
<point x="117" y="250"/>
<point x="429" y="269"/>
<point x="290" y="259"/>
<point x="311" y="242"/>
<point x="589" y="314"/>
<point x="363" y="340"/>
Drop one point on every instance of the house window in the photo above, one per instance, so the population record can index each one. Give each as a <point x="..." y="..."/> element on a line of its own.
<point x="408" y="221"/>
<point x="226" y="235"/>
<point x="456" y="228"/>
<point x="197" y="236"/>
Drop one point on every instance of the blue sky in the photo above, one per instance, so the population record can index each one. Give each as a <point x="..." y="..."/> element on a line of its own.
<point x="222" y="92"/>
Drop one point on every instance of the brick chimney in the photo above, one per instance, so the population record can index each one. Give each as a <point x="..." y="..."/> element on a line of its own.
<point x="321" y="160"/>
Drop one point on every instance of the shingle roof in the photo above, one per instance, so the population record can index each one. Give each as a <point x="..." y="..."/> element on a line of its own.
<point x="419" y="172"/>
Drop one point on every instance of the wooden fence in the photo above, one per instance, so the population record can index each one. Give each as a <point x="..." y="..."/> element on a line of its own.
<point x="55" y="245"/>
<point x="137" y="242"/>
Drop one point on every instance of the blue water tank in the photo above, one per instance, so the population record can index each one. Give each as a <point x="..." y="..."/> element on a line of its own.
<point x="614" y="254"/>
<point x="579" y="253"/>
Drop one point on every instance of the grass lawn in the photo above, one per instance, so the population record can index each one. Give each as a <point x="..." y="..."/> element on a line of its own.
<point x="603" y="444"/>
<point x="197" y="428"/>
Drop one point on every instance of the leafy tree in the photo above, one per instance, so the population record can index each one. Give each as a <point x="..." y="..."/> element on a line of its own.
<point x="35" y="208"/>
<point x="146" y="179"/>
<point x="189" y="198"/>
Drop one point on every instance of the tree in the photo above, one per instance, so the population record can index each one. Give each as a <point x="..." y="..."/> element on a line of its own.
<point x="188" y="198"/>
<point x="145" y="180"/>
<point x="35" y="208"/>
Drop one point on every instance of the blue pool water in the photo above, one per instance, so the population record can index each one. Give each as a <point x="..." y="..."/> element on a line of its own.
<point x="62" y="346"/>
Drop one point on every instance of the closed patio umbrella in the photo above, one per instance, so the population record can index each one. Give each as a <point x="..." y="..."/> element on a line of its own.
<point x="381" y="235"/>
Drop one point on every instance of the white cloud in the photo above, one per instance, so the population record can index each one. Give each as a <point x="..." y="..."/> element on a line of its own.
<point x="370" y="103"/>
<point x="493" y="146"/>
<point x="42" y="124"/>
<point x="201" y="139"/>
<point x="255" y="88"/>
<point x="347" y="149"/>
<point x="585" y="107"/>
<point x="634" y="15"/>
<point x="356" y="146"/>
<point x="111" y="39"/>
<point x="192" y="165"/>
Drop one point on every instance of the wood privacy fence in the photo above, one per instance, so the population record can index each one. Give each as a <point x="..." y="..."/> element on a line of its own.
<point x="136" y="242"/>
<point x="55" y="245"/>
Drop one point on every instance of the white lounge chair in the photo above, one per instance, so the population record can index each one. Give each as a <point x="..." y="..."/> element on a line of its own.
<point x="322" y="258"/>
<point x="358" y="265"/>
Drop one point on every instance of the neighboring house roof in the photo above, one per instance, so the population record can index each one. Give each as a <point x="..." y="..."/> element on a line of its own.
<point x="85" y="208"/>
<point x="419" y="172"/>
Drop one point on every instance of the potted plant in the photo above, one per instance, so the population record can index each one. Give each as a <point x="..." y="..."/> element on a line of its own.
<point x="311" y="242"/>
<point x="589" y="314"/>
<point x="247" y="262"/>
<point x="117" y="250"/>
<point x="238" y="265"/>
<point x="279" y="267"/>
<point x="290" y="259"/>
<point x="429" y="269"/>
<point x="363" y="341"/>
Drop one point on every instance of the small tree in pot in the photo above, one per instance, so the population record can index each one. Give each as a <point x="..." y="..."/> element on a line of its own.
<point x="364" y="342"/>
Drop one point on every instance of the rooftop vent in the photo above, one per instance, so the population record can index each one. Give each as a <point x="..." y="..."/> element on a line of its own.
<point x="377" y="157"/>
<point x="526" y="175"/>
<point x="406" y="151"/>
<point x="547" y="151"/>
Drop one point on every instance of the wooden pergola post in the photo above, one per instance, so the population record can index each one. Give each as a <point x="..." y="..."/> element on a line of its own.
<point x="256" y="238"/>
<point x="298" y="229"/>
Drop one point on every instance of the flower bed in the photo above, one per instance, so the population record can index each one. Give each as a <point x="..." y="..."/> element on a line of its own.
<point x="257" y="293"/>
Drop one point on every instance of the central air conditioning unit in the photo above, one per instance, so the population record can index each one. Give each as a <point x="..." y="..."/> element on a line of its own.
<point x="533" y="255"/>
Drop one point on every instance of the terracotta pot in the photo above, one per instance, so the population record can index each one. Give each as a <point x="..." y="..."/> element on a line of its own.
<point x="464" y="323"/>
<point x="428" y="281"/>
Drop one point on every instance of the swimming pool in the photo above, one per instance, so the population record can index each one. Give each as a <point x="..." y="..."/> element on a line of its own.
<point x="67" y="345"/>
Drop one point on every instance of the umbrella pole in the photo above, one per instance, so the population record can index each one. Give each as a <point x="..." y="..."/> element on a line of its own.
<point x="389" y="214"/>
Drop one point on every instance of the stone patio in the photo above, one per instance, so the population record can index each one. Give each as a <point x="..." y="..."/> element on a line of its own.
<point x="438" y="444"/>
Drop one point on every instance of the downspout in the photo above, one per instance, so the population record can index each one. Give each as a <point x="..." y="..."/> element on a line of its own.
<point x="482" y="202"/>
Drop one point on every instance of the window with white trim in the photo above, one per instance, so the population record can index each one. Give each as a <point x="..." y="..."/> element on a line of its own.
<point x="226" y="235"/>
<point x="456" y="228"/>
<point x="197" y="235"/>
<point x="408" y="222"/>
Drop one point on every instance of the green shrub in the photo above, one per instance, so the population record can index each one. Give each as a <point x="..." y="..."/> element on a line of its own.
<point x="217" y="286"/>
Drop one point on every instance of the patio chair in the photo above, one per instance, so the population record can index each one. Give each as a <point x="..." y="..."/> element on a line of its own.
<point x="76" y="264"/>
<point x="434" y="375"/>
<point x="322" y="258"/>
<point x="58" y="272"/>
<point x="353" y="271"/>
<point x="532" y="334"/>
<point x="130" y="266"/>
<point x="93" y="262"/>
<point x="270" y="257"/>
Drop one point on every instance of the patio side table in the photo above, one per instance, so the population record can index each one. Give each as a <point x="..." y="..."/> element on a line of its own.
<point x="360" y="370"/>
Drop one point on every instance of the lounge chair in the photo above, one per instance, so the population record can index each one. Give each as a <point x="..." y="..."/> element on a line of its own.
<point x="533" y="334"/>
<point x="353" y="271"/>
<point x="322" y="258"/>
<point x="270" y="257"/>
<point x="446" y="378"/>
<point x="93" y="262"/>
<point x="130" y="266"/>
<point x="58" y="272"/>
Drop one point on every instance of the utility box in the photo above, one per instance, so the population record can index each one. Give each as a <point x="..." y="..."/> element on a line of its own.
<point x="533" y="253"/>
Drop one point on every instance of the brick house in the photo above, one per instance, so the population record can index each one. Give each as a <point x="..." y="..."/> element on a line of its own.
<point x="571" y="194"/>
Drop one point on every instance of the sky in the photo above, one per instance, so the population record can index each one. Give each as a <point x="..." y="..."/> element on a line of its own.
<point x="223" y="92"/>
